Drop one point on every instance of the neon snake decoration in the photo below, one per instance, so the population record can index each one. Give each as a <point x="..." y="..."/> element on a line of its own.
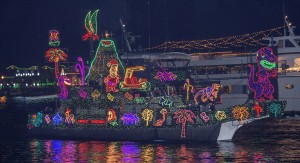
<point x="90" y="24"/>
<point x="63" y="81"/>
<point x="208" y="93"/>
<point x="266" y="62"/>
<point x="80" y="67"/>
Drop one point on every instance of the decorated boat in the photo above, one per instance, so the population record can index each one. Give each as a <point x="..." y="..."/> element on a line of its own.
<point x="142" y="101"/>
<point x="117" y="102"/>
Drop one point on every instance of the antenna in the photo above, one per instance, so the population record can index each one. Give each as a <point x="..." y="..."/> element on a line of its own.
<point x="149" y="23"/>
<point x="125" y="34"/>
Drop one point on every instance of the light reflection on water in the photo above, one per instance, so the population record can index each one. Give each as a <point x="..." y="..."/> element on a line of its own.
<point x="100" y="151"/>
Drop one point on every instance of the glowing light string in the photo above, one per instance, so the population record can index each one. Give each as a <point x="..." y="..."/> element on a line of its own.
<point x="160" y="122"/>
<point x="240" y="112"/>
<point x="57" y="119"/>
<point x="220" y="115"/>
<point x="82" y="93"/>
<point x="130" y="119"/>
<point x="147" y="115"/>
<point x="208" y="93"/>
<point x="112" y="80"/>
<point x="204" y="117"/>
<point x="258" y="109"/>
<point x="165" y="76"/>
<point x="47" y="119"/>
<point x="189" y="88"/>
<point x="183" y="116"/>
<point x="53" y="39"/>
<point x="80" y="66"/>
<point x="63" y="81"/>
<point x="131" y="82"/>
<point x="275" y="109"/>
<point x="95" y="95"/>
<point x="90" y="24"/>
<point x="251" y="40"/>
<point x="104" y="45"/>
<point x="55" y="55"/>
<point x="70" y="119"/>
<point x="266" y="62"/>
<point x="165" y="102"/>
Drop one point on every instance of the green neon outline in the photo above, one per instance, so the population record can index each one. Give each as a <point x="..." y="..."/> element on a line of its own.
<point x="267" y="64"/>
<point x="115" y="49"/>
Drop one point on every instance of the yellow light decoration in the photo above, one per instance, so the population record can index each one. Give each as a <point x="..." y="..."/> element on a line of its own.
<point x="110" y="97"/>
<point x="220" y="115"/>
<point x="147" y="115"/>
<point x="189" y="88"/>
<point x="250" y="39"/>
<point x="131" y="82"/>
<point x="241" y="113"/>
<point x="96" y="94"/>
<point x="3" y="99"/>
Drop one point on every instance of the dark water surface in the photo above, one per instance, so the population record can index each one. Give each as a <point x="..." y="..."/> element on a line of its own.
<point x="262" y="141"/>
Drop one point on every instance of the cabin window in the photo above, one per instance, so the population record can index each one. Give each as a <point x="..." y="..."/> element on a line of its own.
<point x="289" y="44"/>
<point x="289" y="86"/>
<point x="238" y="89"/>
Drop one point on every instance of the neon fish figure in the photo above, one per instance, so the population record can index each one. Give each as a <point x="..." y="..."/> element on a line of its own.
<point x="80" y="66"/>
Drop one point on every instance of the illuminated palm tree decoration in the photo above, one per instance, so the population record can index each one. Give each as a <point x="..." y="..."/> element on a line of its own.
<point x="90" y="24"/>
<point x="147" y="115"/>
<point x="183" y="116"/>
<point x="55" y="55"/>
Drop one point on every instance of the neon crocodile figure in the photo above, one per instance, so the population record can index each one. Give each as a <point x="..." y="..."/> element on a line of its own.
<point x="266" y="62"/>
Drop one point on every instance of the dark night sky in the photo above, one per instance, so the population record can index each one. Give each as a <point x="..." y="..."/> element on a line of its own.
<point x="25" y="24"/>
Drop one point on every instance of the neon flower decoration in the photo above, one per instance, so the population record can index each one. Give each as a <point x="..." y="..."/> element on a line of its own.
<point x="82" y="93"/>
<point x="165" y="76"/>
<point x="63" y="81"/>
<point x="55" y="55"/>
<point x="112" y="117"/>
<point x="110" y="97"/>
<point x="53" y="39"/>
<point x="57" y="119"/>
<point x="275" y="109"/>
<point x="3" y="99"/>
<point x="96" y="94"/>
<point x="241" y="113"/>
<point x="147" y="115"/>
<point x="266" y="62"/>
<point x="165" y="102"/>
<point x="208" y="93"/>
<point x="220" y="115"/>
<point x="81" y="67"/>
<point x="258" y="109"/>
<point x="160" y="122"/>
<point x="112" y="80"/>
<point x="189" y="88"/>
<point x="90" y="24"/>
<point x="38" y="119"/>
<point x="204" y="117"/>
<point x="69" y="117"/>
<point x="47" y="119"/>
<point x="128" y="96"/>
<point x="130" y="119"/>
<point x="131" y="82"/>
<point x="184" y="116"/>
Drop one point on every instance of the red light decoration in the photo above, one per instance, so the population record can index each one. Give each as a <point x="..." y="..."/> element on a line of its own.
<point x="128" y="96"/>
<point x="82" y="93"/>
<point x="69" y="117"/>
<point x="53" y="39"/>
<point x="112" y="80"/>
<point x="83" y="121"/>
<point x="160" y="122"/>
<point x="266" y="62"/>
<point x="182" y="117"/>
<point x="90" y="24"/>
<point x="98" y="121"/>
<point x="47" y="119"/>
<point x="204" y="117"/>
<point x="131" y="82"/>
<point x="258" y="109"/>
<point x="111" y="116"/>
<point x="55" y="55"/>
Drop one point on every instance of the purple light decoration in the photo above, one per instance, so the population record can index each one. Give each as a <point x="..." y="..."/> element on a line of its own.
<point x="80" y="66"/>
<point x="266" y="62"/>
<point x="82" y="93"/>
<point x="62" y="80"/>
<point x="57" y="119"/>
<point x="129" y="119"/>
<point x="47" y="119"/>
<point x="204" y="116"/>
<point x="165" y="76"/>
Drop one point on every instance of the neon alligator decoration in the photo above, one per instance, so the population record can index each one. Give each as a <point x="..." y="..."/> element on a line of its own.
<point x="266" y="62"/>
